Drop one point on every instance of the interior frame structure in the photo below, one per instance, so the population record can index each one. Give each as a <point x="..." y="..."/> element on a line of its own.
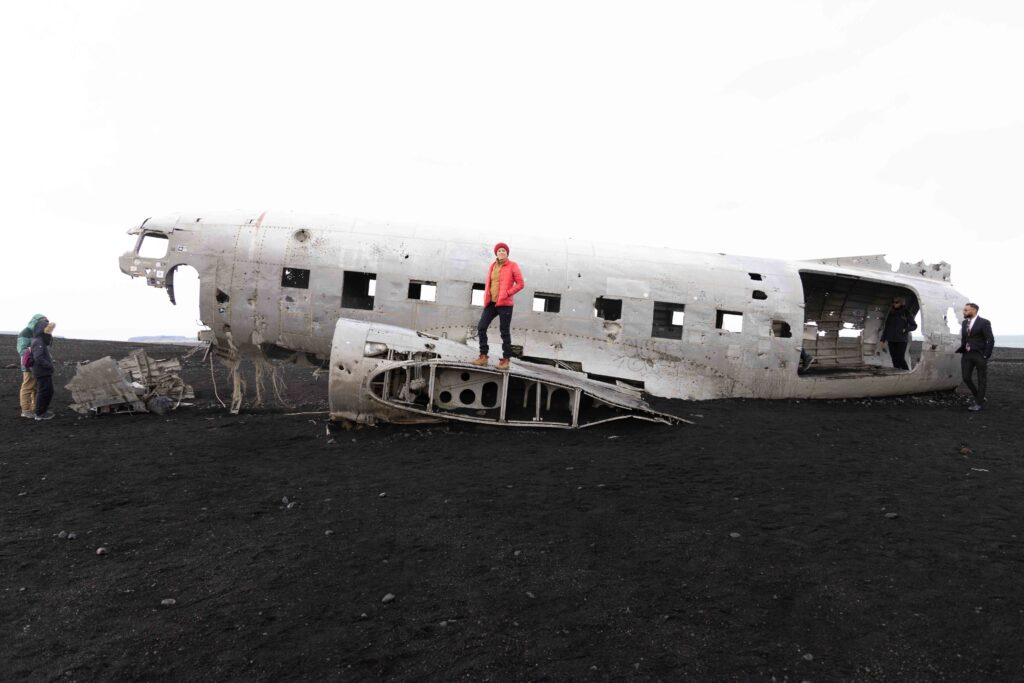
<point x="843" y="319"/>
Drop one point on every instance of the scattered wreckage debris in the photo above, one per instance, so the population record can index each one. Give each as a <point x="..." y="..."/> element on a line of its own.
<point x="134" y="384"/>
<point x="384" y="373"/>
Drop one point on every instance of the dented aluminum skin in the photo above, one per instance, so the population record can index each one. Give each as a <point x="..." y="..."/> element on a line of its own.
<point x="833" y="307"/>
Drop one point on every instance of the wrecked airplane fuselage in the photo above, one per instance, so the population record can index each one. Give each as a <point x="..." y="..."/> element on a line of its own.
<point x="676" y="324"/>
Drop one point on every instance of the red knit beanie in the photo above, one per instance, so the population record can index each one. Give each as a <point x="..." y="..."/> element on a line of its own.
<point x="501" y="245"/>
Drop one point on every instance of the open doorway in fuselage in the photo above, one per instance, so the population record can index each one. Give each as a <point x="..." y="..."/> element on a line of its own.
<point x="182" y="285"/>
<point x="843" y="322"/>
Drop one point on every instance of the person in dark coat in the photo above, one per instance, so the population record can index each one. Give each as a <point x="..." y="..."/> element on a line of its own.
<point x="42" y="367"/>
<point x="896" y="332"/>
<point x="976" y="344"/>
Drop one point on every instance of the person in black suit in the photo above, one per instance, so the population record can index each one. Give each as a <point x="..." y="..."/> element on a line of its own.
<point x="976" y="344"/>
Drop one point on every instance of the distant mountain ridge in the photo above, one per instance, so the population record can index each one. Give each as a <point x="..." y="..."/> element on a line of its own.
<point x="164" y="339"/>
<point x="1015" y="341"/>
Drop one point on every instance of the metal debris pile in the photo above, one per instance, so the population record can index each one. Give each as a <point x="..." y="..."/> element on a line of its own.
<point x="134" y="384"/>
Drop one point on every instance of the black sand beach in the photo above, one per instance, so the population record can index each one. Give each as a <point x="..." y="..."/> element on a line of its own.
<point x="867" y="540"/>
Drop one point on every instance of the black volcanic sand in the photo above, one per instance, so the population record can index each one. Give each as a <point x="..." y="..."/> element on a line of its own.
<point x="837" y="540"/>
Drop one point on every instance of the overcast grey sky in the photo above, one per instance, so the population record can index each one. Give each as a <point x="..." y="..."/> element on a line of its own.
<point x="783" y="129"/>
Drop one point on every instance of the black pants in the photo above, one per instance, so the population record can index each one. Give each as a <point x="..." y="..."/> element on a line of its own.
<point x="504" y="315"/>
<point x="44" y="393"/>
<point x="969" y="362"/>
<point x="898" y="353"/>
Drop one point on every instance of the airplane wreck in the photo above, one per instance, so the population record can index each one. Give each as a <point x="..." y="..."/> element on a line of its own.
<point x="392" y="310"/>
<point x="393" y="374"/>
<point x="134" y="384"/>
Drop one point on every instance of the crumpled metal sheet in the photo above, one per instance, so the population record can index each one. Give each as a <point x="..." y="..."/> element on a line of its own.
<point x="160" y="377"/>
<point x="110" y="386"/>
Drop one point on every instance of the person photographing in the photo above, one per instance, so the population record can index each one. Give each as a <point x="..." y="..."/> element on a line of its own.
<point x="42" y="366"/>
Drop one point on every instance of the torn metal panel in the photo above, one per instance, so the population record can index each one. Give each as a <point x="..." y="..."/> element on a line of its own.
<point x="382" y="373"/>
<point x="161" y="377"/>
<point x="128" y="385"/>
<point x="934" y="271"/>
<point x="102" y="386"/>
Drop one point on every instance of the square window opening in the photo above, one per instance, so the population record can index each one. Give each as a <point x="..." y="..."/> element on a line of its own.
<point x="755" y="276"/>
<point x="358" y="290"/>
<point x="296" y="278"/>
<point x="850" y="330"/>
<point x="547" y="303"/>
<point x="152" y="246"/>
<point x="423" y="290"/>
<point x="607" y="309"/>
<point x="729" y="321"/>
<point x="476" y="296"/>
<point x="759" y="295"/>
<point x="668" y="320"/>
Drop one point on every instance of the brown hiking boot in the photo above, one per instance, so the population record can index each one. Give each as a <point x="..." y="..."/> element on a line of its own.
<point x="503" y="364"/>
<point x="482" y="360"/>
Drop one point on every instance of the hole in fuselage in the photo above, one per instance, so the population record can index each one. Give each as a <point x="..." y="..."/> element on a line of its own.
<point x="489" y="394"/>
<point x="843" y="322"/>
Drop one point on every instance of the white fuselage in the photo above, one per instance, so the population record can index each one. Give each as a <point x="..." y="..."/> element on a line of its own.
<point x="279" y="283"/>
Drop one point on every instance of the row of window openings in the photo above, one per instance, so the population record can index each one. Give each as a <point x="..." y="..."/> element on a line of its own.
<point x="359" y="289"/>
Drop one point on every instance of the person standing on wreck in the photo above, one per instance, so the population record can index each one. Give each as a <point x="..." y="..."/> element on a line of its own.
<point x="896" y="332"/>
<point x="504" y="280"/>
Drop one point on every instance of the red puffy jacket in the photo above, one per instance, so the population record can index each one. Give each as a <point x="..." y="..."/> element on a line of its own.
<point x="510" y="281"/>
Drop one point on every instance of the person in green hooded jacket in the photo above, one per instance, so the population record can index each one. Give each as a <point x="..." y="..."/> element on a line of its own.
<point x="28" y="382"/>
